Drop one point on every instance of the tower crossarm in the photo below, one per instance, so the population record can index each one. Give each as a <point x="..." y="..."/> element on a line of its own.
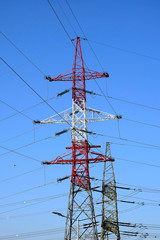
<point x="68" y="75"/>
<point x="92" y="115"/>
<point x="60" y="118"/>
<point x="66" y="158"/>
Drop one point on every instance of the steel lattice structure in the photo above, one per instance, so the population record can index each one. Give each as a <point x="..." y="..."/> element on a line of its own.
<point x="81" y="153"/>
<point x="110" y="226"/>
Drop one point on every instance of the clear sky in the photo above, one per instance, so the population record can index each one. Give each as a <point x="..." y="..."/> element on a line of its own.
<point x="125" y="37"/>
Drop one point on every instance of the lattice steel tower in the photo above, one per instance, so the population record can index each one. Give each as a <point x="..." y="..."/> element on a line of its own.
<point x="80" y="154"/>
<point x="110" y="226"/>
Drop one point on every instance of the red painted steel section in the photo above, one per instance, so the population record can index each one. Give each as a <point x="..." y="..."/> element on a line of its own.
<point x="78" y="77"/>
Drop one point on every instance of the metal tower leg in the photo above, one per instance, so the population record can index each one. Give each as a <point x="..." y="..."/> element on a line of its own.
<point x="110" y="225"/>
<point x="81" y="208"/>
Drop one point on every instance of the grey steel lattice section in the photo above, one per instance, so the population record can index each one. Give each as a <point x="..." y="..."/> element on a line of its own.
<point x="109" y="227"/>
<point x="81" y="208"/>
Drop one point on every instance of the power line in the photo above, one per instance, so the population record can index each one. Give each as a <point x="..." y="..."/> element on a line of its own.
<point x="30" y="214"/>
<point x="138" y="104"/>
<point x="74" y="46"/>
<point x="131" y="145"/>
<point x="84" y="35"/>
<point x="94" y="55"/>
<point x="29" y="144"/>
<point x="142" y="163"/>
<point x="24" y="133"/>
<point x="143" y="188"/>
<point x="60" y="22"/>
<point x="125" y="50"/>
<point x="147" y="199"/>
<point x="144" y="123"/>
<point x="88" y="43"/>
<point x="33" y="234"/>
<point x="115" y="143"/>
<point x="139" y="225"/>
<point x="132" y="120"/>
<point x="128" y="188"/>
<point x="19" y="135"/>
<point x="23" y="155"/>
<point x="121" y="144"/>
<point x="39" y="202"/>
<point x="140" y="203"/>
<point x="25" y="202"/>
<point x="123" y="159"/>
<point x="129" y="195"/>
<point x="105" y="97"/>
<point x="97" y="61"/>
<point x="67" y="18"/>
<point x="20" y="175"/>
<point x="28" y="59"/>
<point x="139" y="122"/>
<point x="125" y="139"/>
<point x="18" y="112"/>
<point x="33" y="106"/>
<point x="27" y="84"/>
<point x="40" y="55"/>
<point x="32" y="89"/>
<point x="27" y="190"/>
<point x="129" y="209"/>
<point x="37" y="95"/>
<point x="70" y="39"/>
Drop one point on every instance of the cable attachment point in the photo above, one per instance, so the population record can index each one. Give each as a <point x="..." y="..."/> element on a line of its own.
<point x="105" y="74"/>
<point x="47" y="77"/>
<point x="118" y="116"/>
<point x="47" y="163"/>
<point x="36" y="122"/>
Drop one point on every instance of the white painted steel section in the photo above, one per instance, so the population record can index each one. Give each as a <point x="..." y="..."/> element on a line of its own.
<point x="79" y="121"/>
<point x="77" y="115"/>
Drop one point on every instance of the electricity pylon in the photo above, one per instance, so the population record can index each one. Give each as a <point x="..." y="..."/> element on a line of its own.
<point x="80" y="154"/>
<point x="109" y="227"/>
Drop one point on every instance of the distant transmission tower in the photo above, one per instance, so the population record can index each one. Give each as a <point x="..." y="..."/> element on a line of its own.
<point x="109" y="227"/>
<point x="80" y="154"/>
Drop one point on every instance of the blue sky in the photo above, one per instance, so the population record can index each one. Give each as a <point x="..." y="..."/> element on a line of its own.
<point x="125" y="27"/>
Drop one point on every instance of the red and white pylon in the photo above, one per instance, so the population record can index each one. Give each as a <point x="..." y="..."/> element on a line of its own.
<point x="80" y="154"/>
